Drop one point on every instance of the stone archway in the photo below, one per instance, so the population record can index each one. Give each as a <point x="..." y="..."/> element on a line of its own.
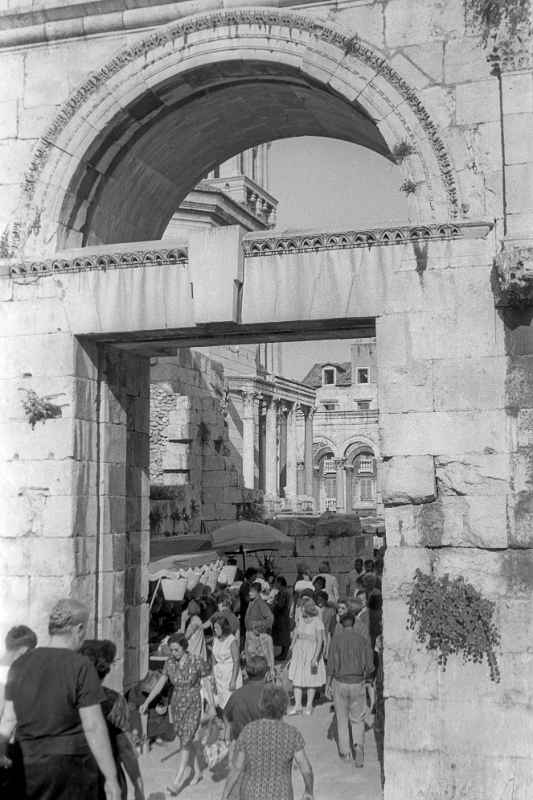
<point x="256" y="63"/>
<point x="453" y="433"/>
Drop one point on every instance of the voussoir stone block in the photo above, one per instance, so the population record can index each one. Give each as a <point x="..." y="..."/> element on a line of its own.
<point x="408" y="480"/>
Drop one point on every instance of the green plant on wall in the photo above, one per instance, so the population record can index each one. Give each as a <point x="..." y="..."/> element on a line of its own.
<point x="39" y="409"/>
<point x="486" y="16"/>
<point x="452" y="618"/>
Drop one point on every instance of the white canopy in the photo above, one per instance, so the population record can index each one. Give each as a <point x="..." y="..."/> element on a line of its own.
<point x="168" y="567"/>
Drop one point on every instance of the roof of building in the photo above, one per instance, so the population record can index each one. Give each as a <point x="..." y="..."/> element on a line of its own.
<point x="343" y="377"/>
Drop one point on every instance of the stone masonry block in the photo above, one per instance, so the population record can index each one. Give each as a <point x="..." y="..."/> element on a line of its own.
<point x="421" y="21"/>
<point x="400" y="566"/>
<point x="470" y="383"/>
<point x="439" y="432"/>
<point x="113" y="514"/>
<point x="112" y="585"/>
<point x="408" y="480"/>
<point x="520" y="178"/>
<point x="406" y="388"/>
<point x="452" y="521"/>
<point x="477" y="102"/>
<point x="484" y="474"/>
<point x="517" y="93"/>
<point x="463" y="60"/>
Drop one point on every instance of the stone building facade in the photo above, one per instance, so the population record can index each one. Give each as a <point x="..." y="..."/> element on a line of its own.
<point x="108" y="122"/>
<point x="345" y="432"/>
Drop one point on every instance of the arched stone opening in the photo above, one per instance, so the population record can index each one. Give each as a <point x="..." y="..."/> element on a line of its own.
<point x="120" y="155"/>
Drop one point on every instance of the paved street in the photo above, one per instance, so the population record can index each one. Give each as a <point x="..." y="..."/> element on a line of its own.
<point x="334" y="779"/>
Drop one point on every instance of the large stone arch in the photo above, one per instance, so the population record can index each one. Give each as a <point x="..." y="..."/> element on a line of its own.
<point x="349" y="82"/>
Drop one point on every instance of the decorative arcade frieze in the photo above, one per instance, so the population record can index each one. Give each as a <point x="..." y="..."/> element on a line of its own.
<point x="121" y="259"/>
<point x="302" y="242"/>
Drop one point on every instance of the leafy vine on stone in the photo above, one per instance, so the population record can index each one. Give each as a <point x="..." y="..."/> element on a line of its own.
<point x="488" y="15"/>
<point x="39" y="409"/>
<point x="452" y="617"/>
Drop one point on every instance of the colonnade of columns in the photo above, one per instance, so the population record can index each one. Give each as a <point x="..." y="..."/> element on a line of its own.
<point x="271" y="464"/>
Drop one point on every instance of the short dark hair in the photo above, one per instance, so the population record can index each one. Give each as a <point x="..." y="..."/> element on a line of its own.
<point x="250" y="573"/>
<point x="319" y="580"/>
<point x="359" y="561"/>
<point x="273" y="702"/>
<point x="369" y="563"/>
<point x="224" y="597"/>
<point x="281" y="581"/>
<point x="257" y="586"/>
<point x="322" y="596"/>
<point x="20" y="636"/>
<point x="347" y="620"/>
<point x="179" y="638"/>
<point x="101" y="652"/>
<point x="306" y="593"/>
<point x="194" y="607"/>
<point x="256" y="666"/>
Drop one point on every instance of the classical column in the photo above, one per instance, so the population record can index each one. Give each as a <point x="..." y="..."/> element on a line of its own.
<point x="284" y="409"/>
<point x="339" y="466"/>
<point x="248" y="439"/>
<point x="271" y="450"/>
<point x="308" y="451"/>
<point x="348" y="469"/>
<point x="290" y="482"/>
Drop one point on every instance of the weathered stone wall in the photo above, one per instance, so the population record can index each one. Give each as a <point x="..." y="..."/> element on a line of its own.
<point x="189" y="440"/>
<point x="449" y="436"/>
<point x="61" y="536"/>
<point x="340" y="551"/>
<point x="454" y="386"/>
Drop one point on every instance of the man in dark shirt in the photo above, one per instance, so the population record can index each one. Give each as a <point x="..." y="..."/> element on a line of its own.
<point x="349" y="667"/>
<point x="243" y="705"/>
<point x="244" y="598"/>
<point x="53" y="697"/>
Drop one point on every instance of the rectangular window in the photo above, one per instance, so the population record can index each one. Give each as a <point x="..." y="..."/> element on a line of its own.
<point x="367" y="489"/>
<point x="362" y="375"/>
<point x="328" y="377"/>
<point x="329" y="465"/>
<point x="366" y="465"/>
<point x="363" y="405"/>
<point x="330" y="487"/>
<point x="331" y="504"/>
<point x="329" y="406"/>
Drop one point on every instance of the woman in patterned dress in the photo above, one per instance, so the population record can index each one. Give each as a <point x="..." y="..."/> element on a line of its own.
<point x="265" y="751"/>
<point x="185" y="672"/>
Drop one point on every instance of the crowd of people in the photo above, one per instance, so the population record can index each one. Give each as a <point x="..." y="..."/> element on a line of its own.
<point x="232" y="661"/>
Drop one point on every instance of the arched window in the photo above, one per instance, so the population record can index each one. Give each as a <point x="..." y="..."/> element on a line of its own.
<point x="326" y="482"/>
<point x="363" y="479"/>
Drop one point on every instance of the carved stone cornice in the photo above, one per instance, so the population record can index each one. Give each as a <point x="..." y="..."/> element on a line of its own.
<point x="264" y="19"/>
<point x="513" y="269"/>
<point x="309" y="242"/>
<point x="177" y="256"/>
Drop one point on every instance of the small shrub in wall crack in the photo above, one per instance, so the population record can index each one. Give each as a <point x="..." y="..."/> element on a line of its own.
<point x="39" y="409"/>
<point x="451" y="617"/>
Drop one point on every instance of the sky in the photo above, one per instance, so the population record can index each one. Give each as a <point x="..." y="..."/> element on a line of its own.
<point x="333" y="185"/>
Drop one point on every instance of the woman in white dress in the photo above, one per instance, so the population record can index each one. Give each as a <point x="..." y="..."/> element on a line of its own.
<point x="307" y="669"/>
<point x="226" y="663"/>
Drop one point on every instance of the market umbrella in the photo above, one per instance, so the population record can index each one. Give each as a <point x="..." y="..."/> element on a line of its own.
<point x="248" y="537"/>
